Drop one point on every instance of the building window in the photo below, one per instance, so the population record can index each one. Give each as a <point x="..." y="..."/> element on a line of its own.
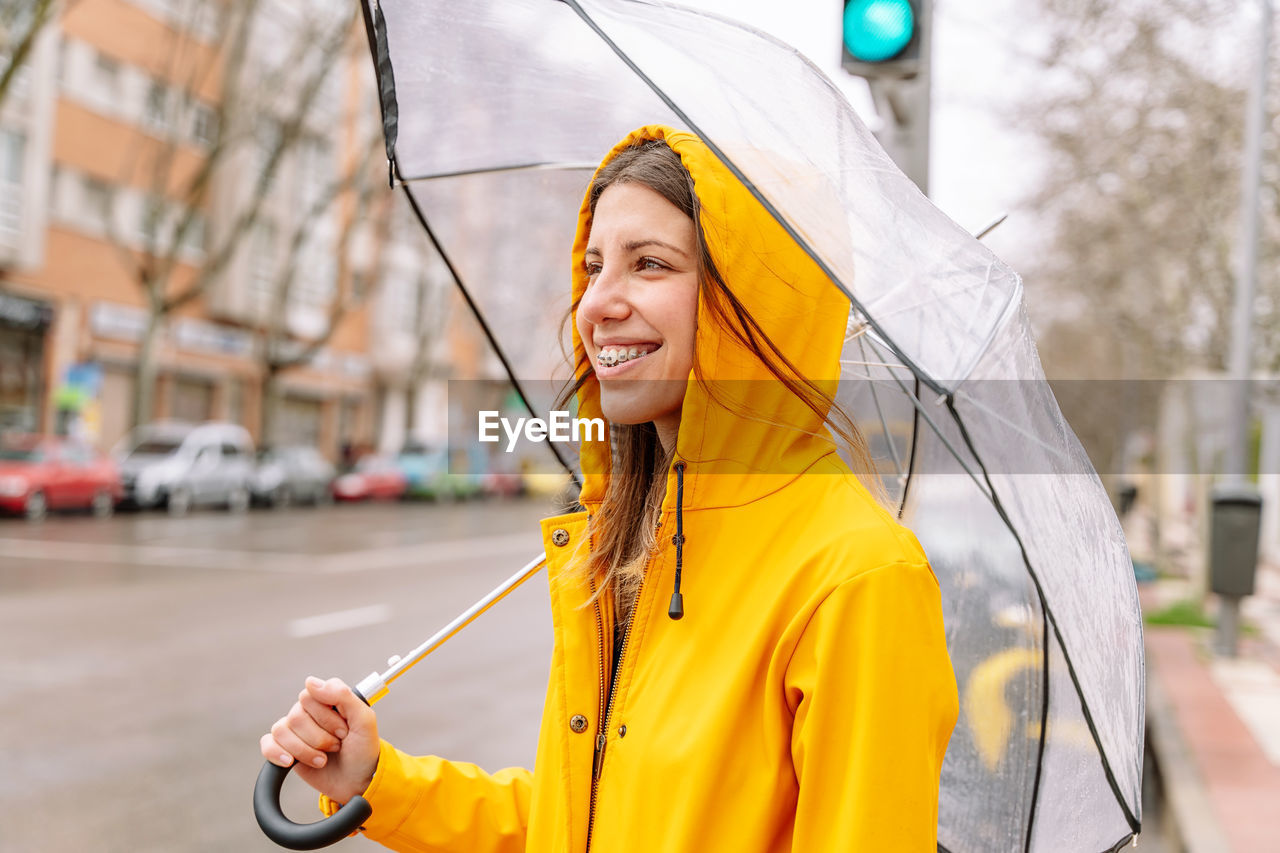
<point x="263" y="264"/>
<point x="12" y="151"/>
<point x="99" y="203"/>
<point x="193" y="239"/>
<point x="106" y="81"/>
<point x="149" y="226"/>
<point x="316" y="285"/>
<point x="315" y="172"/>
<point x="268" y="134"/>
<point x="20" y="18"/>
<point x="204" y="129"/>
<point x="156" y="113"/>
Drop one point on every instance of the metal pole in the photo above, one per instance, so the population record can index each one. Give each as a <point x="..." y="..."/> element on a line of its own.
<point x="1236" y="456"/>
<point x="374" y="686"/>
<point x="905" y="106"/>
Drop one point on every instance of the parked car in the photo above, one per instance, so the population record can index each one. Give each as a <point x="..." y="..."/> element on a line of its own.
<point x="38" y="474"/>
<point x="376" y="477"/>
<point x="503" y="479"/>
<point x="426" y="471"/>
<point x="180" y="465"/>
<point x="438" y="474"/>
<point x="293" y="474"/>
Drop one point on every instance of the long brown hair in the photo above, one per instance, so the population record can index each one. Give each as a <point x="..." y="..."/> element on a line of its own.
<point x="623" y="531"/>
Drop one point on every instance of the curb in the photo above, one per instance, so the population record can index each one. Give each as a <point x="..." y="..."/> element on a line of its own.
<point x="1189" y="817"/>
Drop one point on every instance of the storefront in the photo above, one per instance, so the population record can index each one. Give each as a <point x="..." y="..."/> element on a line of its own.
<point x="24" y="324"/>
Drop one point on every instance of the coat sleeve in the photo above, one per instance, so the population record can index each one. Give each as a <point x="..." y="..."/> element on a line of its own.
<point x="874" y="698"/>
<point x="425" y="804"/>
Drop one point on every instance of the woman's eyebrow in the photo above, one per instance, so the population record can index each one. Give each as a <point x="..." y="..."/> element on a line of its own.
<point x="635" y="245"/>
<point x="640" y="244"/>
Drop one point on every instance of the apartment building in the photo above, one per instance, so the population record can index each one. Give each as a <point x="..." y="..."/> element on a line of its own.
<point x="26" y="124"/>
<point x="121" y="106"/>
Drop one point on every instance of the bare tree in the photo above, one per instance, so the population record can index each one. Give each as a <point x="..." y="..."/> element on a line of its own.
<point x="1144" y="139"/>
<point x="269" y="83"/>
<point x="1141" y="114"/>
<point x="279" y="350"/>
<point x="432" y="309"/>
<point x="20" y="24"/>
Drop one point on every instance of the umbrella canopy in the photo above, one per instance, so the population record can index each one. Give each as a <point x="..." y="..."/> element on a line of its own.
<point x="496" y="113"/>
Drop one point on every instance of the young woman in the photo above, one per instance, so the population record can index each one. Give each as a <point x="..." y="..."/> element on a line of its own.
<point x="749" y="650"/>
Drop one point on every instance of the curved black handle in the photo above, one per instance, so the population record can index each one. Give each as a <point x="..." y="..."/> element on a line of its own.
<point x="302" y="836"/>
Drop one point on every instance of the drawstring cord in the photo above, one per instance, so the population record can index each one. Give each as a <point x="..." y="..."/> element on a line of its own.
<point x="676" y="610"/>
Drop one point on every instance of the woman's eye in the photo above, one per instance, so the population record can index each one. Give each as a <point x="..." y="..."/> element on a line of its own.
<point x="593" y="269"/>
<point x="652" y="264"/>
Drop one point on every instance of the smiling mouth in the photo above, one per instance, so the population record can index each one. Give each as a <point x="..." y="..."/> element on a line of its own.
<point x="613" y="356"/>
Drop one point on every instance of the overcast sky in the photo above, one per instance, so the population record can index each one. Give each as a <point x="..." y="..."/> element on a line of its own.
<point x="980" y="167"/>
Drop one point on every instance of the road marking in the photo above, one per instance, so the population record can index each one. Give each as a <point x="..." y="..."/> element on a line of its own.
<point x="328" y="623"/>
<point x="428" y="553"/>
<point x="152" y="555"/>
<point x="219" y="559"/>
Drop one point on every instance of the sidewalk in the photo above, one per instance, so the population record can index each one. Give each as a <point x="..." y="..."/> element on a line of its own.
<point x="1213" y="723"/>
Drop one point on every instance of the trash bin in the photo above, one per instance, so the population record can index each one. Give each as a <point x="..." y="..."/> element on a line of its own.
<point x="1128" y="496"/>
<point x="1235" y="525"/>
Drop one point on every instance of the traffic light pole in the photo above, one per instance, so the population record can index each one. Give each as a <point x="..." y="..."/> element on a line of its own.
<point x="904" y="107"/>
<point x="900" y="82"/>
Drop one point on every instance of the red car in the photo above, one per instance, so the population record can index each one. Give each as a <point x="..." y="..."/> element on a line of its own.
<point x="373" y="477"/>
<point x="38" y="473"/>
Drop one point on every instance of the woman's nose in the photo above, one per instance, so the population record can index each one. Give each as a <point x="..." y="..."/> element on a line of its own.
<point x="605" y="299"/>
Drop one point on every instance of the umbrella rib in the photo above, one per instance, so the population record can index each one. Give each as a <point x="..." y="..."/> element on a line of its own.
<point x="484" y="326"/>
<point x="1052" y="620"/>
<point x="497" y="170"/>
<point x="969" y="398"/>
<point x="888" y="436"/>
<point x="920" y="409"/>
<point x="856" y="332"/>
<point x="850" y="361"/>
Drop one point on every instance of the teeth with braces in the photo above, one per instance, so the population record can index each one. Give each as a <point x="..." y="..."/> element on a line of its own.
<point x="618" y="355"/>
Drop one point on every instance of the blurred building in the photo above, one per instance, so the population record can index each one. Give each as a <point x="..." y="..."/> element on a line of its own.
<point x="103" y="137"/>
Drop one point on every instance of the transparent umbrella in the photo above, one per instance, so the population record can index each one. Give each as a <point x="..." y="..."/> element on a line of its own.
<point x="495" y="113"/>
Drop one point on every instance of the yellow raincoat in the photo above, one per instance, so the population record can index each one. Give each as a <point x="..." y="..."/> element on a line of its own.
<point x="805" y="700"/>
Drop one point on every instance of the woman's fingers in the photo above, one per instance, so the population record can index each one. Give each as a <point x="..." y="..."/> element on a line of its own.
<point x="335" y="693"/>
<point x="323" y="715"/>
<point x="291" y="743"/>
<point x="304" y="724"/>
<point x="274" y="752"/>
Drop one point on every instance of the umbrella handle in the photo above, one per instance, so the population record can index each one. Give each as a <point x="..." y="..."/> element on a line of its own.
<point x="302" y="836"/>
<point x="349" y="818"/>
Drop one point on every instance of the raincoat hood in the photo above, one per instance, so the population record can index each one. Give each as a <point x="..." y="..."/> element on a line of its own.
<point x="737" y="418"/>
<point x="804" y="703"/>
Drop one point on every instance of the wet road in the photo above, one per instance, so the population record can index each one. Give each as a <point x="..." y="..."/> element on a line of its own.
<point x="141" y="657"/>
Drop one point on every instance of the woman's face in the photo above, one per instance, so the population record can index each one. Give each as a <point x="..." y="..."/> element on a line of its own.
<point x="638" y="316"/>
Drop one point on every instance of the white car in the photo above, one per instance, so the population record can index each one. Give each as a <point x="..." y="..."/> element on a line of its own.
<point x="292" y="474"/>
<point x="180" y="465"/>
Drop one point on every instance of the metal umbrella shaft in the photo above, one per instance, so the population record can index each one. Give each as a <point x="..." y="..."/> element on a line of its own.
<point x="349" y="818"/>
<point x="374" y="686"/>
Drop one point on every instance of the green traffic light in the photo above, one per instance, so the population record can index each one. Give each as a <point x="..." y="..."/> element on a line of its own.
<point x="878" y="30"/>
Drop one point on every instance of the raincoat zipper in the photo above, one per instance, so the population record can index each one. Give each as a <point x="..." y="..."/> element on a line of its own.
<point x="606" y="704"/>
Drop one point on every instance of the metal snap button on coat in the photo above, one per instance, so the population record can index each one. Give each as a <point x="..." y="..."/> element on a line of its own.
<point x="578" y="723"/>
<point x="622" y="731"/>
<point x="560" y="536"/>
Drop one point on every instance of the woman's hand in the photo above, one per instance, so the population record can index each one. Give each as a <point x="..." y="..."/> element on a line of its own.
<point x="333" y="737"/>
